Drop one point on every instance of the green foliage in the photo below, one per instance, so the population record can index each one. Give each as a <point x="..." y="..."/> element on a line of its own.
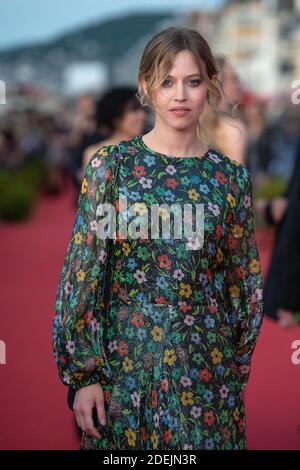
<point x="19" y="190"/>
<point x="273" y="188"/>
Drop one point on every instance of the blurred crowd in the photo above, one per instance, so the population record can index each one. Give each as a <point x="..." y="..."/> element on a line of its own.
<point x="263" y="133"/>
<point x="65" y="139"/>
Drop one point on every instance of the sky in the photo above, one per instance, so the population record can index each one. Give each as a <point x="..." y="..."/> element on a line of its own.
<point x="28" y="21"/>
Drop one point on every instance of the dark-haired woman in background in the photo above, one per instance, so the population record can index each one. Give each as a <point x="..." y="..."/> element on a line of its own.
<point x="120" y="112"/>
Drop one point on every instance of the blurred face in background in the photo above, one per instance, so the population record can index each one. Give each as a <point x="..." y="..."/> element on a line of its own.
<point x="254" y="112"/>
<point x="231" y="84"/>
<point x="133" y="120"/>
<point x="85" y="105"/>
<point x="183" y="87"/>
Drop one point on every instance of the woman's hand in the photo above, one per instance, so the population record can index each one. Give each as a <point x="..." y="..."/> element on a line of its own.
<point x="85" y="400"/>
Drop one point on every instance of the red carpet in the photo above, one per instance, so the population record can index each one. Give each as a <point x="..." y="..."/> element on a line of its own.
<point x="33" y="411"/>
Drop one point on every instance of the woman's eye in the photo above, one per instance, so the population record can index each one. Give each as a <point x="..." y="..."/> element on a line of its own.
<point x="195" y="82"/>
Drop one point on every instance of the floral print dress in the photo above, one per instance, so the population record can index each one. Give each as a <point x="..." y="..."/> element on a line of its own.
<point x="172" y="345"/>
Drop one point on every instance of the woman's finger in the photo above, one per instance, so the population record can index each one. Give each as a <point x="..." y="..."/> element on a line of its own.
<point x="79" y="420"/>
<point x="88" y="423"/>
<point x="100" y="408"/>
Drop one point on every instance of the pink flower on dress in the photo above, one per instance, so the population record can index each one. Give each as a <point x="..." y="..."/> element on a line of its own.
<point x="96" y="162"/>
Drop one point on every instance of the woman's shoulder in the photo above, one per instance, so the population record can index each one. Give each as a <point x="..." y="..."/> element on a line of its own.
<point x="101" y="154"/>
<point x="92" y="149"/>
<point x="236" y="173"/>
<point x="229" y="165"/>
<point x="100" y="166"/>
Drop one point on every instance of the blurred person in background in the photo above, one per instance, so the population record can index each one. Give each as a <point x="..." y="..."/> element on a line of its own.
<point x="120" y="112"/>
<point x="277" y="146"/>
<point x="284" y="145"/>
<point x="33" y="128"/>
<point x="227" y="132"/>
<point x="57" y="160"/>
<point x="281" y="290"/>
<point x="11" y="155"/>
<point x="277" y="150"/>
<point x="254" y="115"/>
<point x="83" y="119"/>
<point x="83" y="132"/>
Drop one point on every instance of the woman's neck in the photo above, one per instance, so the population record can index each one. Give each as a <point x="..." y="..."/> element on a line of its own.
<point x="174" y="143"/>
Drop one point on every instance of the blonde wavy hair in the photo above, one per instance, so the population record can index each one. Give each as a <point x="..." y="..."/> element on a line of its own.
<point x="211" y="120"/>
<point x="157" y="60"/>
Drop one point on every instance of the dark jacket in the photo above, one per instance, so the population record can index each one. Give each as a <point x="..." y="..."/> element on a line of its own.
<point x="281" y="289"/>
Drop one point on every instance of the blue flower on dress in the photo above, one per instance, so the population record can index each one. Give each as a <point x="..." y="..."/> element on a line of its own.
<point x="209" y="322"/>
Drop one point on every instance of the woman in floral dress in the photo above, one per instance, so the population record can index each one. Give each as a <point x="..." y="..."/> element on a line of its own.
<point x="166" y="356"/>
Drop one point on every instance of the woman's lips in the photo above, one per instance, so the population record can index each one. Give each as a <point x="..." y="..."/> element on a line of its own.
<point x="180" y="112"/>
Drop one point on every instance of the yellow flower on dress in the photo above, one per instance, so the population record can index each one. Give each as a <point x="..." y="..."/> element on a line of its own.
<point x="80" y="275"/>
<point x="236" y="414"/>
<point x="170" y="356"/>
<point x="79" y="326"/>
<point x="126" y="249"/>
<point x="216" y="356"/>
<point x="237" y="231"/>
<point x="127" y="364"/>
<point x="94" y="285"/>
<point x="231" y="200"/>
<point x="84" y="185"/>
<point x="254" y="266"/>
<point x="140" y="207"/>
<point x="154" y="440"/>
<point x="187" y="398"/>
<point x="157" y="333"/>
<point x="234" y="292"/>
<point x="77" y="238"/>
<point x="193" y="194"/>
<point x="219" y="256"/>
<point x="78" y="375"/>
<point x="185" y="290"/>
<point x="103" y="151"/>
<point x="163" y="213"/>
<point x="131" y="437"/>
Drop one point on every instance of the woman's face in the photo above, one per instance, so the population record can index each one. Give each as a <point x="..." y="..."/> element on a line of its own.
<point x="182" y="88"/>
<point x="133" y="121"/>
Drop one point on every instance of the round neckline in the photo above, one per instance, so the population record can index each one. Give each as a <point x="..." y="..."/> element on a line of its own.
<point x="139" y="139"/>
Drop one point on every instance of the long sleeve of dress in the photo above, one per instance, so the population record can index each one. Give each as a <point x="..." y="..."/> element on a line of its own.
<point x="243" y="273"/>
<point x="78" y="322"/>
